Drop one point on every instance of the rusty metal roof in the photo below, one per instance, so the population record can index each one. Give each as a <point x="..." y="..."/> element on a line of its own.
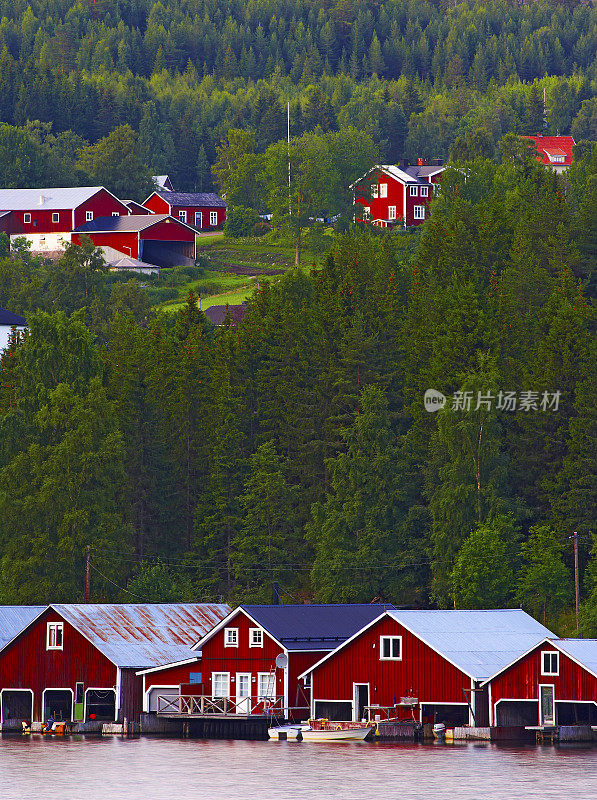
<point x="143" y="635"/>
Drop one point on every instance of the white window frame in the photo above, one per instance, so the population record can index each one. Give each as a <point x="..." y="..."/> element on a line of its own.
<point x="413" y="191"/>
<point x="366" y="213"/>
<point x="230" y="637"/>
<point x="391" y="640"/>
<point x="550" y="653"/>
<point x="52" y="629"/>
<point x="374" y="190"/>
<point x="383" y="189"/>
<point x="55" y="216"/>
<point x="391" y="212"/>
<point x="115" y="214"/>
<point x="557" y="159"/>
<point x="182" y="216"/>
<point x="424" y="191"/>
<point x="213" y="217"/>
<point x="198" y="219"/>
<point x="255" y="637"/>
<point x="266" y="678"/>
<point x="418" y="212"/>
<point x="27" y="219"/>
<point x="89" y="216"/>
<point x="215" y="675"/>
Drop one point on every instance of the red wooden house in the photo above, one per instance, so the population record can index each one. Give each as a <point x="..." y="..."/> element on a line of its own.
<point x="46" y="217"/>
<point x="79" y="662"/>
<point x="423" y="664"/>
<point x="392" y="196"/>
<point x="153" y="238"/>
<point x="553" y="683"/>
<point x="237" y="658"/>
<point x="202" y="210"/>
<point x="554" y="151"/>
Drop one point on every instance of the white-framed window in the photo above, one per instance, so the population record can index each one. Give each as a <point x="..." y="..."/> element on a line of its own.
<point x="374" y="190"/>
<point x="55" y="636"/>
<point x="266" y="685"/>
<point x="419" y="212"/>
<point x="413" y="191"/>
<point x="230" y="637"/>
<point x="557" y="159"/>
<point x="26" y="218"/>
<point x="366" y="212"/>
<point x="55" y="217"/>
<point x="390" y="648"/>
<point x="213" y="217"/>
<point x="424" y="191"/>
<point x="115" y="214"/>
<point x="391" y="212"/>
<point x="198" y="219"/>
<point x="255" y="637"/>
<point x="182" y="216"/>
<point x="220" y="684"/>
<point x="383" y="189"/>
<point x="550" y="662"/>
<point x="88" y="216"/>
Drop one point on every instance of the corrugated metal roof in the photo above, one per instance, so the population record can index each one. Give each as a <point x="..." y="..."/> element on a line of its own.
<point x="583" y="650"/>
<point x="205" y="199"/>
<point x="130" y="223"/>
<point x="14" y="619"/>
<point x="144" y="635"/>
<point x="45" y="199"/>
<point x="8" y="318"/>
<point x="479" y="643"/>
<point x="314" y="627"/>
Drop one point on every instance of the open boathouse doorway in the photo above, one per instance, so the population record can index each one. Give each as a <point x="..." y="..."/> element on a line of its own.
<point x="58" y="704"/>
<point x="17" y="705"/>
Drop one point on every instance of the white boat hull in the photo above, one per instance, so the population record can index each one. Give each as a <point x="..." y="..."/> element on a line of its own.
<point x="286" y="732"/>
<point x="343" y="735"/>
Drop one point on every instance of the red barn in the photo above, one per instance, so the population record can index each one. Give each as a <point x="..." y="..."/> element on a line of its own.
<point x="553" y="151"/>
<point x="436" y="659"/>
<point x="237" y="658"/>
<point x="79" y="662"/>
<point x="553" y="683"/>
<point x="393" y="196"/>
<point x="46" y="217"/>
<point x="202" y="210"/>
<point x="153" y="238"/>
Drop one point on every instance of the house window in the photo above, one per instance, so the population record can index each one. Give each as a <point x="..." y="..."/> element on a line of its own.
<point x="550" y="663"/>
<point x="55" y="217"/>
<point x="255" y="637"/>
<point x="220" y="684"/>
<point x="419" y="212"/>
<point x="413" y="191"/>
<point x="182" y="216"/>
<point x="26" y="218"/>
<point x="198" y="219"/>
<point x="390" y="648"/>
<point x="383" y="189"/>
<point x="266" y="685"/>
<point x="230" y="637"/>
<point x="213" y="217"/>
<point x="115" y="214"/>
<point x="391" y="212"/>
<point x="424" y="191"/>
<point x="374" y="190"/>
<point x="557" y="159"/>
<point x="89" y="216"/>
<point x="366" y="212"/>
<point x="55" y="636"/>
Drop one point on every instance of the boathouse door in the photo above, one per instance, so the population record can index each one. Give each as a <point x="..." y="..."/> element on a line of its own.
<point x="546" y="705"/>
<point x="243" y="692"/>
<point x="361" y="701"/>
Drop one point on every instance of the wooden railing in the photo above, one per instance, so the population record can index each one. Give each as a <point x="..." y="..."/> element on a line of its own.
<point x="207" y="705"/>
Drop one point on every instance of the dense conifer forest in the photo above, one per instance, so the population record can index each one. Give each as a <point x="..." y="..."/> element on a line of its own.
<point x="297" y="448"/>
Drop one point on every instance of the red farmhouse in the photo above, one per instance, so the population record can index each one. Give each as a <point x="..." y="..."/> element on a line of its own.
<point x="46" y="217"/>
<point x="393" y="196"/>
<point x="79" y="662"/>
<point x="554" y="683"/>
<point x="154" y="238"/>
<point x="437" y="660"/>
<point x="237" y="659"/>
<point x="554" y="151"/>
<point x="203" y="210"/>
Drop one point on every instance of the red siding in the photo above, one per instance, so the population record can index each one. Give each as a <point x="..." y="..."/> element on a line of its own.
<point x="205" y="212"/>
<point x="157" y="204"/>
<point x="123" y="241"/>
<point x="103" y="204"/>
<point x="379" y="205"/>
<point x="26" y="664"/>
<point x="172" y="676"/>
<point x="421" y="673"/>
<point x="41" y="222"/>
<point x="168" y="231"/>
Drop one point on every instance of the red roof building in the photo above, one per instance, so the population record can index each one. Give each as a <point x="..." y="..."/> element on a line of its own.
<point x="553" y="683"/>
<point x="554" y="151"/>
<point x="202" y="210"/>
<point x="392" y="196"/>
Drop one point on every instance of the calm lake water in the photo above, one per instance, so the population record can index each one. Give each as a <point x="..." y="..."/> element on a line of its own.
<point x="80" y="768"/>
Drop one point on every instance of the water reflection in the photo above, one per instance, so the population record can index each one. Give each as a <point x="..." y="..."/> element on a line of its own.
<point x="79" y="768"/>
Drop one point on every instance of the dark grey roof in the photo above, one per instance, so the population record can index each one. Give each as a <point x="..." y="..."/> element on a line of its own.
<point x="8" y="318"/>
<point x="218" y="314"/>
<point x="199" y="199"/>
<point x="315" y="627"/>
<point x="423" y="172"/>
<point x="132" y="222"/>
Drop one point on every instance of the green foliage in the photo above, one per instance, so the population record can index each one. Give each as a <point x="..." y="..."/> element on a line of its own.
<point x="241" y="221"/>
<point x="544" y="581"/>
<point x="156" y="583"/>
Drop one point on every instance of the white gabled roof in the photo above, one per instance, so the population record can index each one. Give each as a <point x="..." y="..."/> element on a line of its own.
<point x="389" y="169"/>
<point x="583" y="651"/>
<point x="479" y="643"/>
<point x="46" y="199"/>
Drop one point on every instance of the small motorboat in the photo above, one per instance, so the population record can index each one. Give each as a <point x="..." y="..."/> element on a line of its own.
<point x="283" y="733"/>
<point x="322" y="730"/>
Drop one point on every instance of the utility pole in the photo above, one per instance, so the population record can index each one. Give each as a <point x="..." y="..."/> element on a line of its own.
<point x="288" y="143"/>
<point x="87" y="573"/>
<point x="576" y="593"/>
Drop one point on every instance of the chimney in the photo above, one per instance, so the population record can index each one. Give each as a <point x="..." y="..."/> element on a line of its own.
<point x="41" y="200"/>
<point x="422" y="162"/>
<point x="437" y="162"/>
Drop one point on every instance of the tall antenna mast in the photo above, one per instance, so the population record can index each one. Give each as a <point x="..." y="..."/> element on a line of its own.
<point x="288" y="142"/>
